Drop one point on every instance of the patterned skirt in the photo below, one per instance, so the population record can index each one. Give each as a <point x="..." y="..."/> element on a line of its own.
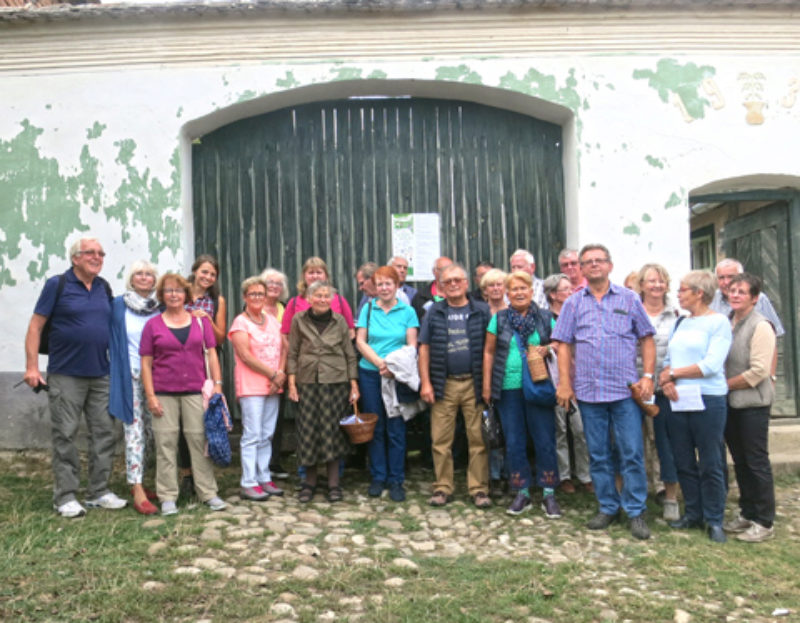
<point x="321" y="406"/>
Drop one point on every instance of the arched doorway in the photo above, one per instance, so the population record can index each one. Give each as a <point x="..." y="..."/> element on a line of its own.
<point x="324" y="179"/>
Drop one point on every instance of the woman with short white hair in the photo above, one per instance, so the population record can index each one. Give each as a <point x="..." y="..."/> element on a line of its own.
<point x="129" y="313"/>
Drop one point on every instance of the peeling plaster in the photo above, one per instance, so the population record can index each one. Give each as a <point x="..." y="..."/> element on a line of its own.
<point x="654" y="162"/>
<point x="683" y="81"/>
<point x="673" y="201"/>
<point x="289" y="82"/>
<point x="631" y="230"/>
<point x="462" y="73"/>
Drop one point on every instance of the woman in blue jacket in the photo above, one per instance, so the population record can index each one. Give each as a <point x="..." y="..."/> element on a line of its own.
<point x="129" y="313"/>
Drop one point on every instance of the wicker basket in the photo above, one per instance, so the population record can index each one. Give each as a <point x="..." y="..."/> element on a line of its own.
<point x="362" y="430"/>
<point x="536" y="365"/>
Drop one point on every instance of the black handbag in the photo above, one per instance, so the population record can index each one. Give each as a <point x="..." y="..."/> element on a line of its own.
<point x="492" y="429"/>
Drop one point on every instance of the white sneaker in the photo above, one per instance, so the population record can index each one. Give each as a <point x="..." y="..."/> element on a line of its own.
<point x="672" y="511"/>
<point x="169" y="508"/>
<point x="70" y="509"/>
<point x="756" y="533"/>
<point x="737" y="525"/>
<point x="216" y="504"/>
<point x="109" y="501"/>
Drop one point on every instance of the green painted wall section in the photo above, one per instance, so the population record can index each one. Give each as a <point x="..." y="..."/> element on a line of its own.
<point x="461" y="73"/>
<point x="681" y="80"/>
<point x="42" y="203"/>
<point x="631" y="230"/>
<point x="288" y="82"/>
<point x="536" y="83"/>
<point x="673" y="201"/>
<point x="654" y="162"/>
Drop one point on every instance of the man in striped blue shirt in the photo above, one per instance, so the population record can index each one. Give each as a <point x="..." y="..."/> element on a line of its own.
<point x="605" y="323"/>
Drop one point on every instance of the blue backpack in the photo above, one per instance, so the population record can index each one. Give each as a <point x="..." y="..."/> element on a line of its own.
<point x="217" y="421"/>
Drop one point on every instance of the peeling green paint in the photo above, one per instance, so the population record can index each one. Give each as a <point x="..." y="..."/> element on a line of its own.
<point x="534" y="82"/>
<point x="682" y="80"/>
<point x="246" y="95"/>
<point x="42" y="203"/>
<point x="646" y="218"/>
<point x="377" y="74"/>
<point x="654" y="162"/>
<point x="145" y="201"/>
<point x="461" y="73"/>
<point x="610" y="87"/>
<point x="225" y="80"/>
<point x="674" y="200"/>
<point x="48" y="107"/>
<point x="347" y="73"/>
<point x="289" y="82"/>
<point x="631" y="230"/>
<point x="179" y="114"/>
<point x="96" y="130"/>
<point x="593" y="184"/>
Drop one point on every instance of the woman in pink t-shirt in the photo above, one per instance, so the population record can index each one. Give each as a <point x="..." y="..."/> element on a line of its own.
<point x="315" y="269"/>
<point x="259" y="350"/>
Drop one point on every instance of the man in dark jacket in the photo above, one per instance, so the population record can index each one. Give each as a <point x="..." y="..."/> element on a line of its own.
<point x="450" y="370"/>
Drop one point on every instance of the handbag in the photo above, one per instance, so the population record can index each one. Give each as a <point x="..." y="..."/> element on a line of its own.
<point x="491" y="428"/>
<point x="541" y="393"/>
<point x="208" y="385"/>
<point x="217" y="424"/>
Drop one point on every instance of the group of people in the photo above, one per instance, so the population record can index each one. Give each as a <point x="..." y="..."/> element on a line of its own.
<point x="149" y="356"/>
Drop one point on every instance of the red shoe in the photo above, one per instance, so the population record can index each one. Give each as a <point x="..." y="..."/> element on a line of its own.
<point x="145" y="508"/>
<point x="151" y="495"/>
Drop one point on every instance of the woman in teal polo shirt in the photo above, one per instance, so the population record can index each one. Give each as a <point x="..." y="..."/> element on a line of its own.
<point x="384" y="326"/>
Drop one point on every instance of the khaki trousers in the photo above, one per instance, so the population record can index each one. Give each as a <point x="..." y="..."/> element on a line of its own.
<point x="458" y="394"/>
<point x="186" y="409"/>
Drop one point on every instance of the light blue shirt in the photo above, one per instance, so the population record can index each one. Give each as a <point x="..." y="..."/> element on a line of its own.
<point x="704" y="341"/>
<point x="386" y="331"/>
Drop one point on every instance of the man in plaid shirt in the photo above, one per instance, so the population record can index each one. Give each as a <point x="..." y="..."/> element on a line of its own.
<point x="601" y="327"/>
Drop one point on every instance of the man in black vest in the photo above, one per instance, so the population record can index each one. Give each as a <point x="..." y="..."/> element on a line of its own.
<point x="450" y="370"/>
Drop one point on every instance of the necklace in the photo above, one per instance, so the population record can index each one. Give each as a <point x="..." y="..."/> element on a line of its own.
<point x="176" y="320"/>
<point x="258" y="322"/>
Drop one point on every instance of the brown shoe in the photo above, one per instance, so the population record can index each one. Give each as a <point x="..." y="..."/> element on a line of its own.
<point x="566" y="486"/>
<point x="439" y="498"/>
<point x="481" y="500"/>
<point x="588" y="487"/>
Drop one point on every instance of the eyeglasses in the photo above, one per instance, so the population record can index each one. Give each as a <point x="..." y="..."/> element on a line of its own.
<point x="274" y="284"/>
<point x="174" y="291"/>
<point x="92" y="253"/>
<point x="454" y="281"/>
<point x="572" y="263"/>
<point x="255" y="295"/>
<point x="593" y="262"/>
<point x="681" y="290"/>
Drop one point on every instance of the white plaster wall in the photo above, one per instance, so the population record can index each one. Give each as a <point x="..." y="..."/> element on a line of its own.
<point x="619" y="123"/>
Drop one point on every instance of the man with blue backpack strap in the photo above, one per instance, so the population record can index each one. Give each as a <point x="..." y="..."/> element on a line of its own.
<point x="73" y="316"/>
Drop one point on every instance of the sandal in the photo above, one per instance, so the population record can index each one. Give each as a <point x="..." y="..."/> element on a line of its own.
<point x="481" y="500"/>
<point x="439" y="498"/>
<point x="306" y="493"/>
<point x="334" y="494"/>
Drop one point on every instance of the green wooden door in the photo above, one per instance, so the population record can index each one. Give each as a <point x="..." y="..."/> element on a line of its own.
<point x="324" y="179"/>
<point x="761" y="242"/>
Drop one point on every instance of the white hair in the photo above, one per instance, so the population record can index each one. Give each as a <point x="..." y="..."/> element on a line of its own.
<point x="528" y="255"/>
<point x="141" y="266"/>
<point x="729" y="261"/>
<point x="75" y="247"/>
<point x="272" y="274"/>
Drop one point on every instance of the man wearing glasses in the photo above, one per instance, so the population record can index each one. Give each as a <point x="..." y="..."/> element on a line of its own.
<point x="78" y="305"/>
<point x="450" y="369"/>
<point x="571" y="267"/>
<point x="605" y="323"/>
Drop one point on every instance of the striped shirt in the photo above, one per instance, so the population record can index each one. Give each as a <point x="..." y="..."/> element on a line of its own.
<point x="606" y="335"/>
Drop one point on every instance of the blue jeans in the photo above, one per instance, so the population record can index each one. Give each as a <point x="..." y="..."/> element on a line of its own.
<point x="625" y="420"/>
<point x="697" y="438"/>
<point x="387" y="450"/>
<point x="520" y="419"/>
<point x="665" y="459"/>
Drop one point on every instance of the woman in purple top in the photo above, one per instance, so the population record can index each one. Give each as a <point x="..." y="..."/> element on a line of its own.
<point x="173" y="373"/>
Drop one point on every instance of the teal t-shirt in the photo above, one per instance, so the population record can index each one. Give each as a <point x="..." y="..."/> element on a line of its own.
<point x="387" y="330"/>
<point x="512" y="376"/>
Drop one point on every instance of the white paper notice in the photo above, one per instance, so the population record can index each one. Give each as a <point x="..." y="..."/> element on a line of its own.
<point x="689" y="399"/>
<point x="416" y="238"/>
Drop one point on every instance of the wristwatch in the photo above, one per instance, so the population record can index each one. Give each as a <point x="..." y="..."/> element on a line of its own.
<point x="648" y="375"/>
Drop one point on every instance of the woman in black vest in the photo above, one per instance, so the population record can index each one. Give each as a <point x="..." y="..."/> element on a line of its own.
<point x="510" y="332"/>
<point x="750" y="395"/>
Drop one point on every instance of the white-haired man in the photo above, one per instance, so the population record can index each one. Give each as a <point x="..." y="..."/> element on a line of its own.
<point x="78" y="305"/>
<point x="726" y="270"/>
<point x="523" y="260"/>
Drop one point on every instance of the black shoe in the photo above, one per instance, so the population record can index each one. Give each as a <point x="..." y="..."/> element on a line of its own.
<point x="601" y="521"/>
<point x="278" y="471"/>
<point x="396" y="492"/>
<point x="639" y="528"/>
<point x="717" y="534"/>
<point x="686" y="523"/>
<point x="376" y="487"/>
<point x="496" y="489"/>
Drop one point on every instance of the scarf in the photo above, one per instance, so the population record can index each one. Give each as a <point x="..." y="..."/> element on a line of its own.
<point x="140" y="305"/>
<point x="525" y="325"/>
